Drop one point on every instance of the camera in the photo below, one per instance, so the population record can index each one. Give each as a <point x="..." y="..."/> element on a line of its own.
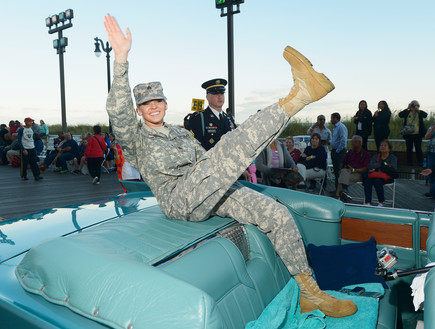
<point x="387" y="258"/>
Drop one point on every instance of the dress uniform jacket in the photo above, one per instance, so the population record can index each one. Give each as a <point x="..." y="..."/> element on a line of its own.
<point x="208" y="129"/>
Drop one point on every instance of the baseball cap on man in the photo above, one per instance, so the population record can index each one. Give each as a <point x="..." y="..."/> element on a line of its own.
<point x="28" y="119"/>
<point x="145" y="92"/>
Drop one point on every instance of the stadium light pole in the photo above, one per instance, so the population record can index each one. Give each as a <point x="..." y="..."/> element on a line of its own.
<point x="58" y="23"/>
<point x="229" y="6"/>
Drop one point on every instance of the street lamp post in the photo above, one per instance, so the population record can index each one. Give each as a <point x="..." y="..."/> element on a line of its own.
<point x="229" y="4"/>
<point x="58" y="23"/>
<point x="107" y="49"/>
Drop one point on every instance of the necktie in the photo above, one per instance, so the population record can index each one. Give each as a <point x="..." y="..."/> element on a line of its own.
<point x="221" y="118"/>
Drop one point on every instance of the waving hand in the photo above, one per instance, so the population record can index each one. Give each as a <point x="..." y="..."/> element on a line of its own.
<point x="121" y="45"/>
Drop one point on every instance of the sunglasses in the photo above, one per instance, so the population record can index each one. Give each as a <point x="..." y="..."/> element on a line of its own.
<point x="322" y="119"/>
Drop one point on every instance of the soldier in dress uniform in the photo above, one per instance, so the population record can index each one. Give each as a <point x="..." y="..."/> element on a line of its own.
<point x="210" y="125"/>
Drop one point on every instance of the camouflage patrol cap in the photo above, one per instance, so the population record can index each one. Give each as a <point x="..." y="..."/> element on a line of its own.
<point x="145" y="92"/>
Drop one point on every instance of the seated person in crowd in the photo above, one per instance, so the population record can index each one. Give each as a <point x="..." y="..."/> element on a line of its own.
<point x="58" y="141"/>
<point x="11" y="150"/>
<point x="382" y="170"/>
<point x="8" y="140"/>
<point x="3" y="132"/>
<point x="294" y="152"/>
<point x="269" y="162"/>
<point x="68" y="151"/>
<point x="12" y="127"/>
<point x="428" y="172"/>
<point x="80" y="161"/>
<point x="312" y="164"/>
<point x="354" y="164"/>
<point x="39" y="144"/>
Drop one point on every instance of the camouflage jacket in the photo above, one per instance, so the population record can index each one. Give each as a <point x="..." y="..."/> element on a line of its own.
<point x="161" y="159"/>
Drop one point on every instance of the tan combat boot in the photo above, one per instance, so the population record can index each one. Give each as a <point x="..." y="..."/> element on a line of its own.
<point x="309" y="86"/>
<point x="312" y="298"/>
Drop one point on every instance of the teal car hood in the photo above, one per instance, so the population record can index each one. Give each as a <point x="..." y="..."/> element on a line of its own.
<point x="20" y="234"/>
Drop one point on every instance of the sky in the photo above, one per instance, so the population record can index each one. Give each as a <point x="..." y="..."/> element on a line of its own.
<point x="372" y="50"/>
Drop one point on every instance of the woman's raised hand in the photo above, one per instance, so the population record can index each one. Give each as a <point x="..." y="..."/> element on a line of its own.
<point x="120" y="44"/>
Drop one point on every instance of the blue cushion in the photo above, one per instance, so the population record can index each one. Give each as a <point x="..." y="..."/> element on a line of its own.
<point x="338" y="266"/>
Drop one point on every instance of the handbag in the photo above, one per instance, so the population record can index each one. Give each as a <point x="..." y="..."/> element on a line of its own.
<point x="293" y="178"/>
<point x="407" y="129"/>
<point x="379" y="174"/>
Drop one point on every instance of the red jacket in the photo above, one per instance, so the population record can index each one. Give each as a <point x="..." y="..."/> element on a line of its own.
<point x="94" y="150"/>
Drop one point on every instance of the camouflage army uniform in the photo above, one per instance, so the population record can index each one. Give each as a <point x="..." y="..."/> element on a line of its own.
<point x="192" y="184"/>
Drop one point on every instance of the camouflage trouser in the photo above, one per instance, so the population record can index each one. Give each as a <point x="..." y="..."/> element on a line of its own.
<point x="251" y="207"/>
<point x="205" y="188"/>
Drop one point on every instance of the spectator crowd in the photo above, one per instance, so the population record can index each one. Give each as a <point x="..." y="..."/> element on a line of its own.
<point x="304" y="166"/>
<point x="284" y="165"/>
<point x="22" y="145"/>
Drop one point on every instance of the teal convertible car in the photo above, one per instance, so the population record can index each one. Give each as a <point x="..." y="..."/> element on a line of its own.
<point x="120" y="263"/>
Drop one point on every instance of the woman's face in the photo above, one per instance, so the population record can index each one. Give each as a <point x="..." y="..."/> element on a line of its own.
<point x="381" y="105"/>
<point x="315" y="142"/>
<point x="289" y="143"/>
<point x="383" y="148"/>
<point x="363" y="106"/>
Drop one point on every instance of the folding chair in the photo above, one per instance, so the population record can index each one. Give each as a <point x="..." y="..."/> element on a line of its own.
<point x="104" y="160"/>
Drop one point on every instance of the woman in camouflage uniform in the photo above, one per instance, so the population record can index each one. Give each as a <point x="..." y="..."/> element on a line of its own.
<point x="192" y="184"/>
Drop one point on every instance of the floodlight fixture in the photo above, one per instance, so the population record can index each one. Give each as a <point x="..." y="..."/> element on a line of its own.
<point x="62" y="17"/>
<point x="63" y="42"/>
<point x="69" y="14"/>
<point x="55" y="19"/>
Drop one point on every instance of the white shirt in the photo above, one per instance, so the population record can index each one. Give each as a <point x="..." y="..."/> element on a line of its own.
<point x="27" y="139"/>
<point x="215" y="112"/>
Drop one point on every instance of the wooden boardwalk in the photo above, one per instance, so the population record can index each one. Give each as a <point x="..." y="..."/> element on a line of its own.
<point x="55" y="190"/>
<point x="19" y="198"/>
<point x="409" y="195"/>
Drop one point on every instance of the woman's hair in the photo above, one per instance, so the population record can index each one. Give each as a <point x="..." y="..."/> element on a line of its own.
<point x="315" y="135"/>
<point x="360" y="102"/>
<point x="390" y="146"/>
<point x="385" y="105"/>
